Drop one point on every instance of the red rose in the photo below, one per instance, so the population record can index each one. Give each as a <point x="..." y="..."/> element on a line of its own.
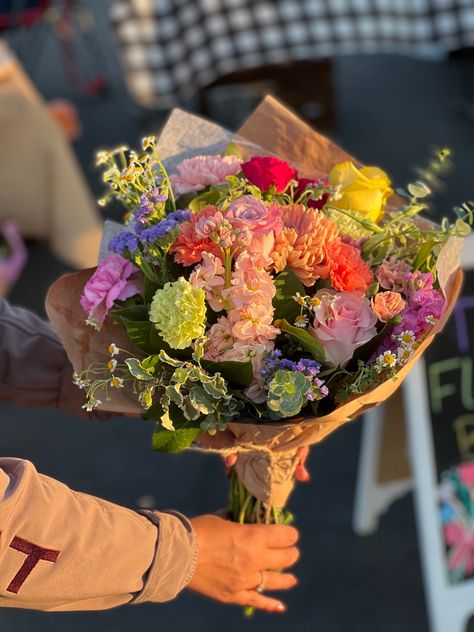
<point x="310" y="203"/>
<point x="267" y="172"/>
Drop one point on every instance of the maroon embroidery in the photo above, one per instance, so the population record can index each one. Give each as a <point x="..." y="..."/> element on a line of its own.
<point x="34" y="554"/>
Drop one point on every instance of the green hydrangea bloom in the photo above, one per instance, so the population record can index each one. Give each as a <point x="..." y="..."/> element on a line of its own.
<point x="178" y="311"/>
<point x="287" y="393"/>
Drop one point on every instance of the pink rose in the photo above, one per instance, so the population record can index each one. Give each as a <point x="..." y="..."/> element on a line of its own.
<point x="267" y="172"/>
<point x="254" y="214"/>
<point x="194" y="174"/>
<point x="109" y="283"/>
<point x="386" y="305"/>
<point x="343" y="322"/>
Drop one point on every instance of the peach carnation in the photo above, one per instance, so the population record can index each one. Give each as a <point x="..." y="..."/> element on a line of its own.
<point x="194" y="174"/>
<point x="301" y="245"/>
<point x="347" y="270"/>
<point x="188" y="246"/>
<point x="386" y="305"/>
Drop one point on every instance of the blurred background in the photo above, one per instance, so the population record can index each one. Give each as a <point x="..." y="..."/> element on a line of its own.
<point x="389" y="80"/>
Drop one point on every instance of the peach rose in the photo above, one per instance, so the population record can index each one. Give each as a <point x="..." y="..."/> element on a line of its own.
<point x="386" y="305"/>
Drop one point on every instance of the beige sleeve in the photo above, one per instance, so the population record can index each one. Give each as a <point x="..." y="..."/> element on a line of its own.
<point x="64" y="550"/>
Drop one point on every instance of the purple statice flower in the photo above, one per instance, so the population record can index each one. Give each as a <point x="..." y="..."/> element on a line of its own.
<point x="157" y="196"/>
<point x="124" y="243"/>
<point x="145" y="209"/>
<point x="162" y="228"/>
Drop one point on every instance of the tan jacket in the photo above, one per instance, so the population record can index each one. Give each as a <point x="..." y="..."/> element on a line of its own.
<point x="60" y="549"/>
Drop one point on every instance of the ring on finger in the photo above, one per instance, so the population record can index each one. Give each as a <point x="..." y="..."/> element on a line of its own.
<point x="261" y="587"/>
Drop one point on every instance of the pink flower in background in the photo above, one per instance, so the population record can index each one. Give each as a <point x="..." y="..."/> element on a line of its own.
<point x="391" y="274"/>
<point x="210" y="275"/>
<point x="386" y="305"/>
<point x="195" y="174"/>
<point x="343" y="322"/>
<point x="267" y="172"/>
<point x="460" y="540"/>
<point x="110" y="282"/>
<point x="253" y="213"/>
<point x="11" y="266"/>
<point x="188" y="245"/>
<point x="466" y="473"/>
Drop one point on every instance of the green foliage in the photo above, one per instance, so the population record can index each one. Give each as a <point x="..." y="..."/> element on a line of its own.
<point x="306" y="340"/>
<point x="175" y="441"/>
<point x="287" y="286"/>
<point x="238" y="374"/>
<point x="286" y="394"/>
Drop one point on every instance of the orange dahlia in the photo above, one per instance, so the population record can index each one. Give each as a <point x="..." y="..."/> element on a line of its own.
<point x="301" y="245"/>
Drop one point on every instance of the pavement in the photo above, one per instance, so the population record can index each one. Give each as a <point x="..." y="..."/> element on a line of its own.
<point x="390" y="111"/>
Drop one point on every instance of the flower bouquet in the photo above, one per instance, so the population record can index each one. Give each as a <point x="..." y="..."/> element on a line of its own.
<point x="264" y="284"/>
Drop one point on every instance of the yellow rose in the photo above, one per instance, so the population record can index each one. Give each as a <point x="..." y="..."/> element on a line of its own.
<point x="363" y="191"/>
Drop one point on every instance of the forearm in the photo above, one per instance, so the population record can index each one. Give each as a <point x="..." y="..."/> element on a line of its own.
<point x="34" y="368"/>
<point x="90" y="554"/>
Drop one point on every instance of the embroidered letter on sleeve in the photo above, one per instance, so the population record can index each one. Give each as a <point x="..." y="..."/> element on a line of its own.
<point x="34" y="554"/>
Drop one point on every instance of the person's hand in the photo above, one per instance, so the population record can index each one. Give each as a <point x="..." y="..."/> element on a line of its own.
<point x="234" y="558"/>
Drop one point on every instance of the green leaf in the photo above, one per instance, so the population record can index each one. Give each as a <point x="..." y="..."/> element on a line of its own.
<point x="287" y="285"/>
<point x="306" y="340"/>
<point x="365" y="351"/>
<point x="422" y="255"/>
<point x="142" y="334"/>
<point x="173" y="442"/>
<point x="237" y="374"/>
<point x="205" y="199"/>
<point x="149" y="291"/>
<point x="136" y="369"/>
<point x="201" y="401"/>
<point x="167" y="359"/>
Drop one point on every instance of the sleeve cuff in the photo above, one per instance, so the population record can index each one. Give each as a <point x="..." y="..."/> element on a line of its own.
<point x="175" y="557"/>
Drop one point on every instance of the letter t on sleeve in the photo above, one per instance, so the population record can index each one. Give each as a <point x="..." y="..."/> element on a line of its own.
<point x="63" y="550"/>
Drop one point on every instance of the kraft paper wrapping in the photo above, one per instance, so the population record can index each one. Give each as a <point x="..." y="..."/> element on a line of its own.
<point x="267" y="451"/>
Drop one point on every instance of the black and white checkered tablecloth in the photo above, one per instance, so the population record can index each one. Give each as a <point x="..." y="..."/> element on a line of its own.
<point x="171" y="48"/>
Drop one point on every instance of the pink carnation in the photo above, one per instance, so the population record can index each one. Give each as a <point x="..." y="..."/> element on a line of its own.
<point x="194" y="174"/>
<point x="343" y="322"/>
<point x="391" y="274"/>
<point x="109" y="283"/>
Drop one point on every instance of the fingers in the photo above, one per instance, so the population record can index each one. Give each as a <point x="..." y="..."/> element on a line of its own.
<point x="280" y="558"/>
<point x="260" y="602"/>
<point x="301" y="473"/>
<point x="278" y="536"/>
<point x="278" y="581"/>
<point x="230" y="460"/>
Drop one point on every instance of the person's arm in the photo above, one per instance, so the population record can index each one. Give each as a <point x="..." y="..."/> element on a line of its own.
<point x="64" y="550"/>
<point x="34" y="368"/>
